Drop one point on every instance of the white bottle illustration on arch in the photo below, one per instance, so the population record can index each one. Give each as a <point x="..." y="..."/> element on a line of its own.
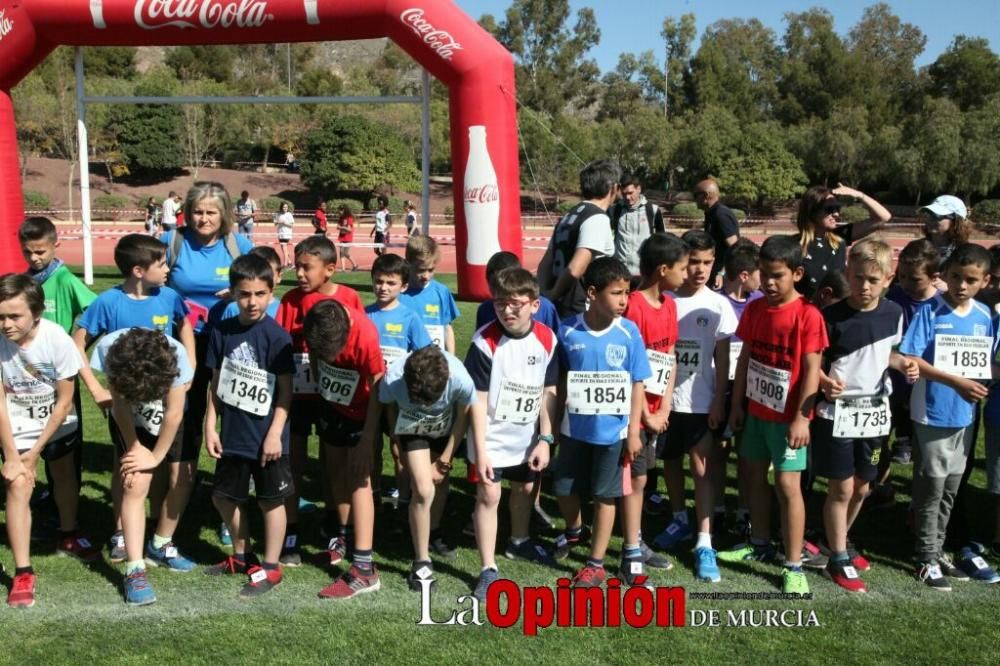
<point x="481" y="201"/>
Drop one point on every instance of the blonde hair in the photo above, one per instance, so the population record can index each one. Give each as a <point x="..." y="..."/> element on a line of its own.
<point x="811" y="210"/>
<point x="206" y="189"/>
<point x="872" y="252"/>
<point x="422" y="248"/>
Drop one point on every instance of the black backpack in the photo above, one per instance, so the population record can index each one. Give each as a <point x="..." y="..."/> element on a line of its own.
<point x="653" y="216"/>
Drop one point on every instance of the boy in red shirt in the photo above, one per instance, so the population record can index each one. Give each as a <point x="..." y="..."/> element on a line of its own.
<point x="315" y="265"/>
<point x="778" y="371"/>
<point x="663" y="264"/>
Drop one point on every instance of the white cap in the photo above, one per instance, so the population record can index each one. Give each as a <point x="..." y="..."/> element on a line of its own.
<point x="946" y="205"/>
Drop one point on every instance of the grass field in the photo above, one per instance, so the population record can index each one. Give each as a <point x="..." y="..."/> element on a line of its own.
<point x="80" y="615"/>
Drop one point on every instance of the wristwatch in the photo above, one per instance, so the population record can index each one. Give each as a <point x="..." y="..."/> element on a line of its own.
<point x="548" y="439"/>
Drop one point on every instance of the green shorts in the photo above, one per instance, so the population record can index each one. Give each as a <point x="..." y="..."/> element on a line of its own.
<point x="768" y="440"/>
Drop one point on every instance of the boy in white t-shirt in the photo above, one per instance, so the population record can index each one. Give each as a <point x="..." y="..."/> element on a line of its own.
<point x="705" y="322"/>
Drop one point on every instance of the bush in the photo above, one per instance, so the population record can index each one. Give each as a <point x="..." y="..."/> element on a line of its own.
<point x="986" y="211"/>
<point x="36" y="201"/>
<point x="449" y="211"/>
<point x="739" y="214"/>
<point x="565" y="206"/>
<point x="121" y="207"/>
<point x="271" y="205"/>
<point x="854" y="213"/>
<point x="355" y="205"/>
<point x="689" y="210"/>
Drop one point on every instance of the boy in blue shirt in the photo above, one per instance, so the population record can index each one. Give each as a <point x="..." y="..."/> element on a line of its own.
<point x="950" y="338"/>
<point x="228" y="309"/>
<point x="142" y="300"/>
<point x="252" y="368"/>
<point x="604" y="360"/>
<point x="426" y="296"/>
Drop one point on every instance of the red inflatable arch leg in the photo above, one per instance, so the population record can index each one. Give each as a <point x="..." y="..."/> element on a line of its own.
<point x="444" y="40"/>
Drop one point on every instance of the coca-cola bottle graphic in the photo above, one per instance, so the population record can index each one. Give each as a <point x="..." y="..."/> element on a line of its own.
<point x="482" y="201"/>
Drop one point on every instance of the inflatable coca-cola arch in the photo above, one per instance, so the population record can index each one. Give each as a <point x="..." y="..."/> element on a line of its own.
<point x="478" y="72"/>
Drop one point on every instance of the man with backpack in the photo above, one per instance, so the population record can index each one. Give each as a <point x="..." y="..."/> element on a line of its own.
<point x="633" y="220"/>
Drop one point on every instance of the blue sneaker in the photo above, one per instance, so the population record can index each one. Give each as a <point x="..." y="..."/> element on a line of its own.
<point x="225" y="538"/>
<point x="138" y="591"/>
<point x="168" y="557"/>
<point x="705" y="566"/>
<point x="675" y="533"/>
<point x="486" y="578"/>
<point x="976" y="567"/>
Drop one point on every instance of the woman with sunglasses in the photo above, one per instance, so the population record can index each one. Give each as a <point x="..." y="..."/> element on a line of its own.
<point x="945" y="225"/>
<point x="823" y="238"/>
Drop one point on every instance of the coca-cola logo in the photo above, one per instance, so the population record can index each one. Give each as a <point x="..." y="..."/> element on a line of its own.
<point x="440" y="40"/>
<point x="482" y="194"/>
<point x="154" y="14"/>
<point x="6" y="24"/>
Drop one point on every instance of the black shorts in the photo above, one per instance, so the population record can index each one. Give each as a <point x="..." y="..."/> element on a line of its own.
<point x="303" y="416"/>
<point x="588" y="470"/>
<point x="379" y="237"/>
<point x="284" y="241"/>
<point x="272" y="482"/>
<point x="646" y="460"/>
<point x="148" y="440"/>
<point x="409" y="443"/>
<point x="840" y="458"/>
<point x="335" y="429"/>
<point x="515" y="473"/>
<point x="684" y="431"/>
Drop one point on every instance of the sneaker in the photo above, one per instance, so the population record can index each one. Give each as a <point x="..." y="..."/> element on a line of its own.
<point x="632" y="573"/>
<point x="949" y="569"/>
<point x="225" y="538"/>
<point x="336" y="551"/>
<point x="116" y="548"/>
<point x="442" y="548"/>
<point x="976" y="567"/>
<point x="565" y="542"/>
<point x="858" y="561"/>
<point x="930" y="574"/>
<point x="794" y="582"/>
<point x="260" y="581"/>
<point x="168" y="557"/>
<point x="138" y="591"/>
<point x="229" y="566"/>
<point x="351" y="584"/>
<point x="902" y="452"/>
<point x="529" y="551"/>
<point x="705" y="566"/>
<point x="813" y="557"/>
<point x="486" y="578"/>
<point x="590" y="576"/>
<point x="22" y="591"/>
<point x="741" y="527"/>
<point x="675" y="533"/>
<point x="79" y="547"/>
<point x="420" y="573"/>
<point x="654" y="560"/>
<point x="291" y="556"/>
<point x="656" y="505"/>
<point x="746" y="552"/>
<point x="845" y="575"/>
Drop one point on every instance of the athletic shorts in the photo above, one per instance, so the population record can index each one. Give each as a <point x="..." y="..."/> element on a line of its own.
<point x="768" y="441"/>
<point x="303" y="416"/>
<point x="148" y="440"/>
<point x="335" y="429"/>
<point x="993" y="459"/>
<point x="684" y="431"/>
<point x="409" y="443"/>
<point x="515" y="473"/>
<point x="588" y="470"/>
<point x="284" y="241"/>
<point x="379" y="237"/>
<point x="57" y="449"/>
<point x="646" y="460"/>
<point x="272" y="482"/>
<point x="840" y="458"/>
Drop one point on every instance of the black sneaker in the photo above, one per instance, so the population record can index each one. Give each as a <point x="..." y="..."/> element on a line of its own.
<point x="565" y="543"/>
<point x="654" y="560"/>
<point x="442" y="548"/>
<point x="529" y="551"/>
<point x="930" y="574"/>
<point x="949" y="570"/>
<point x="420" y="571"/>
<point x="632" y="572"/>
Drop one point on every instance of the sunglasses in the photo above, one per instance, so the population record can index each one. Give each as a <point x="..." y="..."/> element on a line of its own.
<point x="832" y="207"/>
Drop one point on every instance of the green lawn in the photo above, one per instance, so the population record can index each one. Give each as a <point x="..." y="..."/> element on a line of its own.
<point x="80" y="615"/>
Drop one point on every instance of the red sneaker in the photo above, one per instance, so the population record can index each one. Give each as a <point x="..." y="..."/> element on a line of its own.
<point x="351" y="584"/>
<point x="78" y="546"/>
<point x="845" y="576"/>
<point x="589" y="576"/>
<point x="228" y="566"/>
<point x="336" y="550"/>
<point x="261" y="580"/>
<point x="22" y="592"/>
<point x="858" y="561"/>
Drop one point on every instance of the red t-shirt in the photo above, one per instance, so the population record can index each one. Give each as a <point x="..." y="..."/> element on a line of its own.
<point x="296" y="304"/>
<point x="319" y="220"/>
<point x="362" y="354"/>
<point x="658" y="327"/>
<point x="346" y="234"/>
<point x="778" y="337"/>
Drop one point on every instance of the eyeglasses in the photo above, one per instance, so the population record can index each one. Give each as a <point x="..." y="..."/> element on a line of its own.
<point x="515" y="304"/>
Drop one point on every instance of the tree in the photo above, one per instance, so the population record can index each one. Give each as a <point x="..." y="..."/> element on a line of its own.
<point x="551" y="70"/>
<point x="350" y="153"/>
<point x="979" y="170"/>
<point x="678" y="34"/>
<point x="967" y="73"/>
<point x="635" y="81"/>
<point x="110" y="61"/>
<point x="929" y="159"/>
<point x="202" y="62"/>
<point x="150" y="135"/>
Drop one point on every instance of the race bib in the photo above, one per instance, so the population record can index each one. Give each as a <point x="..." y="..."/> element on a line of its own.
<point x="412" y="422"/>
<point x="768" y="386"/>
<point x="29" y="412"/>
<point x="518" y="402"/>
<point x="856" y="418"/>
<point x="248" y="389"/>
<point x="966" y="356"/>
<point x="735" y="347"/>
<point x="303" y="383"/>
<point x="392" y="354"/>
<point x="592" y="393"/>
<point x="148" y="416"/>
<point x="337" y="385"/>
<point x="689" y="358"/>
<point x="662" y="366"/>
<point x="437" y="335"/>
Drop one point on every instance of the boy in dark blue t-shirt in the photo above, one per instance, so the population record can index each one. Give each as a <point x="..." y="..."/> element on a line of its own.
<point x="252" y="368"/>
